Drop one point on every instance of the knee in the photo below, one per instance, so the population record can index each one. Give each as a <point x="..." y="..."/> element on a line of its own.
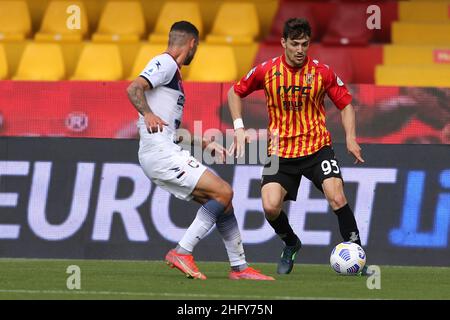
<point x="337" y="201"/>
<point x="225" y="195"/>
<point x="271" y="210"/>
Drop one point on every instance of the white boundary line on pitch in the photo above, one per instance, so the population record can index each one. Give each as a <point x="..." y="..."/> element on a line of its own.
<point x="167" y="294"/>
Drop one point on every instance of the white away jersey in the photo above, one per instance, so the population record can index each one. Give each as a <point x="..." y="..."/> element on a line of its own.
<point x="166" y="98"/>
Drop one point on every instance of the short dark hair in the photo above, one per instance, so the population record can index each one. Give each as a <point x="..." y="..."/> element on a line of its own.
<point x="185" y="26"/>
<point x="296" y="28"/>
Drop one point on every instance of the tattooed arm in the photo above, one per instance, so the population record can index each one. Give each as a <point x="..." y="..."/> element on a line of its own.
<point x="137" y="97"/>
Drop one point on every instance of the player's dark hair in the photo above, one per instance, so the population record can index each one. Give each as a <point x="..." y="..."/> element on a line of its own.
<point x="296" y="28"/>
<point x="185" y="26"/>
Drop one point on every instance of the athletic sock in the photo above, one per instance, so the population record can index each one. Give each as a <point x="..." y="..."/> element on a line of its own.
<point x="229" y="230"/>
<point x="283" y="229"/>
<point x="347" y="224"/>
<point x="240" y="267"/>
<point x="206" y="218"/>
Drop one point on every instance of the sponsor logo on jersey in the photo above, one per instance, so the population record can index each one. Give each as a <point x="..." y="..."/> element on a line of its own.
<point x="181" y="100"/>
<point x="292" y="105"/>
<point x="294" y="89"/>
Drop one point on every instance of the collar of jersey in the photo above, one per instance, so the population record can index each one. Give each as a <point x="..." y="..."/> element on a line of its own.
<point x="173" y="59"/>
<point x="291" y="68"/>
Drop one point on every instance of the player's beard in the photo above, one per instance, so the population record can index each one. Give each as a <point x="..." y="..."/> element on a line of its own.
<point x="188" y="60"/>
<point x="189" y="57"/>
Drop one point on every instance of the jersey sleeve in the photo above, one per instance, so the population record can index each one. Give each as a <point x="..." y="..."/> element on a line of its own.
<point x="254" y="80"/>
<point x="337" y="91"/>
<point x="159" y="71"/>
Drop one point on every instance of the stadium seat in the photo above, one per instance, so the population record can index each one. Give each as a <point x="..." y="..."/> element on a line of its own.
<point x="3" y="64"/>
<point x="213" y="63"/>
<point x="424" y="11"/>
<point x="172" y="12"/>
<point x="146" y="52"/>
<point x="121" y="21"/>
<point x="285" y="12"/>
<point x="235" y="23"/>
<point x="407" y="75"/>
<point x="54" y="24"/>
<point x="348" y="26"/>
<point x="437" y="34"/>
<point x="100" y="62"/>
<point x="338" y="58"/>
<point x="268" y="51"/>
<point x="15" y="22"/>
<point x="41" y="62"/>
<point x="414" y="54"/>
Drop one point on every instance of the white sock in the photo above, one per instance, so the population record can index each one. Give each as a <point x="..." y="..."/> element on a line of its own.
<point x="229" y="230"/>
<point x="203" y="222"/>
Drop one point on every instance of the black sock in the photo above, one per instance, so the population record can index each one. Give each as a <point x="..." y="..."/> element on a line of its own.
<point x="347" y="224"/>
<point x="283" y="229"/>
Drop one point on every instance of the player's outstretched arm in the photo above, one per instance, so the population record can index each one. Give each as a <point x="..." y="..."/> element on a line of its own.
<point x="349" y="123"/>
<point x="136" y="96"/>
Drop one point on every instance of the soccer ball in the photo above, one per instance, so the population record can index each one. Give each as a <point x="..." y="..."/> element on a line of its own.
<point x="347" y="258"/>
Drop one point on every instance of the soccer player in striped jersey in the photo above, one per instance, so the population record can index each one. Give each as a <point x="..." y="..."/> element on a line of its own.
<point x="295" y="86"/>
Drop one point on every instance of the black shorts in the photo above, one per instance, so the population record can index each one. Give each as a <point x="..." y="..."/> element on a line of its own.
<point x="315" y="167"/>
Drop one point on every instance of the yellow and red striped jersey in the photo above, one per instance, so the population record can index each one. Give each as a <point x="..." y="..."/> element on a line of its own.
<point x="295" y="103"/>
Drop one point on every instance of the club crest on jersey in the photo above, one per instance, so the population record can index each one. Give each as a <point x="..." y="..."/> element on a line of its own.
<point x="309" y="78"/>
<point x="339" y="81"/>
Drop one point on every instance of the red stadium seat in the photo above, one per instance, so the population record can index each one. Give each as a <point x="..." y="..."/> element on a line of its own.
<point x="337" y="58"/>
<point x="353" y="64"/>
<point x="289" y="10"/>
<point x="348" y="26"/>
<point x="268" y="51"/>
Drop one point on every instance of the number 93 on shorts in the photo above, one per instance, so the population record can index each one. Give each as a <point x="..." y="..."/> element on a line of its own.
<point x="316" y="167"/>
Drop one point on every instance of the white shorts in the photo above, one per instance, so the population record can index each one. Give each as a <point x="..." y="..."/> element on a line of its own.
<point x="171" y="168"/>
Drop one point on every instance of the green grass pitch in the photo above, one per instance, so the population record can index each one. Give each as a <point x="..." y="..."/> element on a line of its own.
<point x="107" y="279"/>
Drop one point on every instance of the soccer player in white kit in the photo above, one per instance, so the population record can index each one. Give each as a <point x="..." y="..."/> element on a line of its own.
<point x="158" y="96"/>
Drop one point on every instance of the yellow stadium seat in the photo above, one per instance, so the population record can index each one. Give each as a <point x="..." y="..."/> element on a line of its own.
<point x="172" y="12"/>
<point x="437" y="34"/>
<point x="3" y="64"/>
<point x="419" y="75"/>
<point x="145" y="54"/>
<point x="15" y="22"/>
<point x="213" y="63"/>
<point x="100" y="62"/>
<point x="64" y="21"/>
<point x="121" y="21"/>
<point x="415" y="55"/>
<point x="235" y="23"/>
<point x="41" y="62"/>
<point x="424" y="11"/>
